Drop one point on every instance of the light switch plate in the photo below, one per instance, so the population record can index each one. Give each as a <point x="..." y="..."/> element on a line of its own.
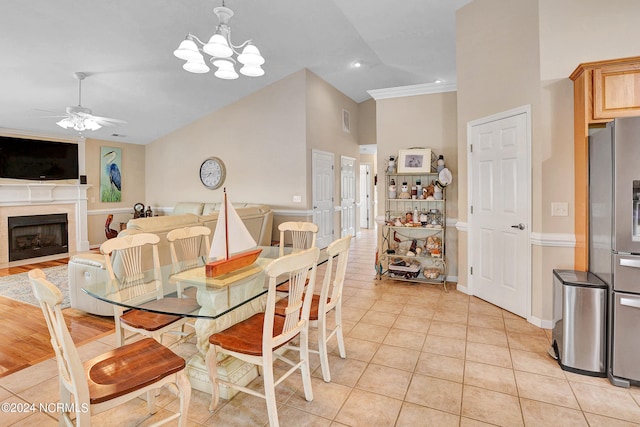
<point x="559" y="209"/>
<point x="297" y="199"/>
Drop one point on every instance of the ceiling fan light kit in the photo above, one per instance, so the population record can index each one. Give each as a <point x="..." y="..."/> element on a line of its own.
<point x="81" y="118"/>
<point x="221" y="51"/>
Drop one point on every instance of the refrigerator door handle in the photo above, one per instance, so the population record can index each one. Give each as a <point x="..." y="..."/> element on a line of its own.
<point x="630" y="302"/>
<point x="625" y="262"/>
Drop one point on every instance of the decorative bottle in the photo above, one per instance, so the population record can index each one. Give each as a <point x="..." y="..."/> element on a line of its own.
<point x="440" y="163"/>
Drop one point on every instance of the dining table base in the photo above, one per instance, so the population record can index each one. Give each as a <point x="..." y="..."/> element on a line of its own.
<point x="229" y="368"/>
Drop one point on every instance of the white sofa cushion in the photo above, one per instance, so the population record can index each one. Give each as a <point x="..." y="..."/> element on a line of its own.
<point x="187" y="207"/>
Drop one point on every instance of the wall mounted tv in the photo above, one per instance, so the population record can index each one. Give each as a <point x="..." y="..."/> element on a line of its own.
<point x="37" y="160"/>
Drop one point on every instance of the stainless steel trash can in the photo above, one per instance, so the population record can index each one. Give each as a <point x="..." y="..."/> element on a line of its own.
<point x="579" y="335"/>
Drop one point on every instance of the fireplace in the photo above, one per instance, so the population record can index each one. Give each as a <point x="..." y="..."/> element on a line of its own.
<point x="35" y="236"/>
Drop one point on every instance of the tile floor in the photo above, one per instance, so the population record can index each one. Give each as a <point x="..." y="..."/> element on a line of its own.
<point x="416" y="356"/>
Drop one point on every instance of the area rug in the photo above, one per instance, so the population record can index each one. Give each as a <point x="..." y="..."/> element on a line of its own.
<point x="17" y="286"/>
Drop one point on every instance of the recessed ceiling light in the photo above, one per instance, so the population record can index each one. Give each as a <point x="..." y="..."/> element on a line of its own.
<point x="439" y="81"/>
<point x="357" y="64"/>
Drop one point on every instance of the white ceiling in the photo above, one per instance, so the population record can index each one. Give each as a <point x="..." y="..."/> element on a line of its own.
<point x="125" y="46"/>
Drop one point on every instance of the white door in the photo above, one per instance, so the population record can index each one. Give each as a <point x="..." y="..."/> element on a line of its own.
<point x="348" y="195"/>
<point x="499" y="223"/>
<point x="323" y="181"/>
<point x="365" y="195"/>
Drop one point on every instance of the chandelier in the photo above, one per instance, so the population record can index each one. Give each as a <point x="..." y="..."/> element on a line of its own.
<point x="221" y="50"/>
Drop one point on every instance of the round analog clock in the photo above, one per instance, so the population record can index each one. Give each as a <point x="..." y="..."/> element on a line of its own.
<point x="212" y="173"/>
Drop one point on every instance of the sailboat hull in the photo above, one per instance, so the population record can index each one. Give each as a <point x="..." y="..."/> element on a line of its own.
<point x="233" y="263"/>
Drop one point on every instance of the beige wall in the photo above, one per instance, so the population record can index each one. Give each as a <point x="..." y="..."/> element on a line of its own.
<point x="421" y="121"/>
<point x="521" y="52"/>
<point x="265" y="141"/>
<point x="261" y="139"/>
<point x="367" y="122"/>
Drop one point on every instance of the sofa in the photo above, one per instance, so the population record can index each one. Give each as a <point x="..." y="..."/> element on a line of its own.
<point x="88" y="270"/>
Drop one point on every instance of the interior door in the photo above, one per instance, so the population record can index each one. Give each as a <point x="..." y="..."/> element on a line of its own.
<point x="365" y="196"/>
<point x="323" y="181"/>
<point x="348" y="195"/>
<point x="499" y="183"/>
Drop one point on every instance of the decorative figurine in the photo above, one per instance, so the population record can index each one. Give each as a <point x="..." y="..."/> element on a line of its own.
<point x="404" y="192"/>
<point x="440" y="163"/>
<point x="392" y="189"/>
<point x="391" y="165"/>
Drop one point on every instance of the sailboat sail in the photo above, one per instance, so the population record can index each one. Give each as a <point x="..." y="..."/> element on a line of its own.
<point x="231" y="235"/>
<point x="233" y="247"/>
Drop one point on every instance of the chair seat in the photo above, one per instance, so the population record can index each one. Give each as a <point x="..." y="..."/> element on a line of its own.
<point x="149" y="321"/>
<point x="284" y="287"/>
<point x="246" y="336"/>
<point x="281" y="305"/>
<point x="128" y="368"/>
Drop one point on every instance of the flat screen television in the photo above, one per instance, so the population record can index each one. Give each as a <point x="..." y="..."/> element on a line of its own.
<point x="37" y="160"/>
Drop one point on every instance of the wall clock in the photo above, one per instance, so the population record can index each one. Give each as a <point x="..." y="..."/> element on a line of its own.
<point x="212" y="173"/>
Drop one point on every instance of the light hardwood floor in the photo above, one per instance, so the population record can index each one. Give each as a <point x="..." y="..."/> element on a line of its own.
<point x="24" y="335"/>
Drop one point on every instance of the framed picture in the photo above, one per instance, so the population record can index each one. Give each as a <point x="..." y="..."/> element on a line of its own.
<point x="416" y="160"/>
<point x="110" y="174"/>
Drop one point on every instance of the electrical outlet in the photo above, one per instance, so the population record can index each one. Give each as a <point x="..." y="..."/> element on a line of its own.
<point x="297" y="199"/>
<point x="559" y="209"/>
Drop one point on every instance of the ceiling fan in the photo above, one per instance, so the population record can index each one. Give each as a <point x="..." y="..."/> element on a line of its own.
<point x="80" y="118"/>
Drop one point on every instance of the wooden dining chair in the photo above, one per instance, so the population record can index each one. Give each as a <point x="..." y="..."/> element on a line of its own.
<point x="139" y="287"/>
<point x="302" y="235"/>
<point x="255" y="339"/>
<point x="330" y="298"/>
<point x="112" y="378"/>
<point x="189" y="247"/>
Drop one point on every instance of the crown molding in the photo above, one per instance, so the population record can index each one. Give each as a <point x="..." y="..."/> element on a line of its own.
<point x="413" y="90"/>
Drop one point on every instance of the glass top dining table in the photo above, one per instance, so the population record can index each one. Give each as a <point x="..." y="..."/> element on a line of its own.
<point x="203" y="297"/>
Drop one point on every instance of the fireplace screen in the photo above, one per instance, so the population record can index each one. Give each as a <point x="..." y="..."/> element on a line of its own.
<point x="37" y="235"/>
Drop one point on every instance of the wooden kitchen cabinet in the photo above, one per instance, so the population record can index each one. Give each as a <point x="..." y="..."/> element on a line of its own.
<point x="602" y="91"/>
<point x="616" y="91"/>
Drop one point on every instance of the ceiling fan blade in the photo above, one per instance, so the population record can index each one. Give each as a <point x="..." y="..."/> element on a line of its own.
<point x="108" y="120"/>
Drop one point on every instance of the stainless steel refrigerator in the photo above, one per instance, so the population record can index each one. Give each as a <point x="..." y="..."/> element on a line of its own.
<point x="614" y="239"/>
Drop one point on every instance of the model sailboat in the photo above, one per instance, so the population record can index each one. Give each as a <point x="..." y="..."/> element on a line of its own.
<point x="233" y="248"/>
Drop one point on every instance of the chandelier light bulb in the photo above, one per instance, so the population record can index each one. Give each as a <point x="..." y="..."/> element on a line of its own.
<point x="252" y="71"/>
<point x="218" y="47"/>
<point x="188" y="50"/>
<point x="226" y="70"/>
<point x="224" y="54"/>
<point x="196" y="66"/>
<point x="250" y="56"/>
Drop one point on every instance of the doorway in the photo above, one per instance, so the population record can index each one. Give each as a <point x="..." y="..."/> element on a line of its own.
<point x="366" y="202"/>
<point x="323" y="182"/>
<point x="500" y="209"/>
<point x="348" y="195"/>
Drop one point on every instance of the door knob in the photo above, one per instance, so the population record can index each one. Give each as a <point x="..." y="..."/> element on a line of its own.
<point x="518" y="226"/>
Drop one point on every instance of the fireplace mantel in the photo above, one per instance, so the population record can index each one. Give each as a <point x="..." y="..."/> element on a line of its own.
<point x="34" y="198"/>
